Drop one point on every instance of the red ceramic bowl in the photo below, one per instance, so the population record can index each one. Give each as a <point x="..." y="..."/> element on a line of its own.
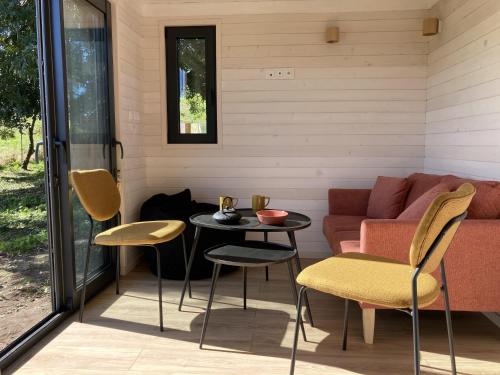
<point x="272" y="217"/>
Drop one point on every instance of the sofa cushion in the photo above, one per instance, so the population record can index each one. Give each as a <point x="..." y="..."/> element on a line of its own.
<point x="486" y="203"/>
<point x="338" y="238"/>
<point x="350" y="246"/>
<point x="387" y="198"/>
<point x="348" y="229"/>
<point x="416" y="210"/>
<point x="339" y="223"/>
<point x="419" y="184"/>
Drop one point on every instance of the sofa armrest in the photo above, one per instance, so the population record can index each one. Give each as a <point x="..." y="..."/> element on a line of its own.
<point x="471" y="261"/>
<point x="388" y="238"/>
<point x="348" y="201"/>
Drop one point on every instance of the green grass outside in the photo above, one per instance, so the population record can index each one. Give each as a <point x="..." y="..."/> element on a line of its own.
<point x="23" y="217"/>
<point x="14" y="149"/>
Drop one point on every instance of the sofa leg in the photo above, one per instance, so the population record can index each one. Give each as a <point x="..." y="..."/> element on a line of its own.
<point x="368" y="325"/>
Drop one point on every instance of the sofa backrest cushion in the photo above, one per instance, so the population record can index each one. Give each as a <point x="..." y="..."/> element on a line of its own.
<point x="419" y="184"/>
<point x="387" y="198"/>
<point x="486" y="203"/>
<point x="416" y="210"/>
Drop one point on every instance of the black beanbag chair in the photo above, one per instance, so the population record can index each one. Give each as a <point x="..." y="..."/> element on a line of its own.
<point x="180" y="207"/>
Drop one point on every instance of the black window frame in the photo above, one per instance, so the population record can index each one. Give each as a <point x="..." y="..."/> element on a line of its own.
<point x="172" y="34"/>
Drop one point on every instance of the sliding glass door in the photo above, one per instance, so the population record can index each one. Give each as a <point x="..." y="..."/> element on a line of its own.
<point x="27" y="264"/>
<point x="43" y="227"/>
<point x="89" y="126"/>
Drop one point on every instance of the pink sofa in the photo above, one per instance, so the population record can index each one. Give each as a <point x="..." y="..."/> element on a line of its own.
<point x="472" y="262"/>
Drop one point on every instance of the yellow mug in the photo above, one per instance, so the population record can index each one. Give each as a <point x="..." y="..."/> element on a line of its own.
<point x="259" y="202"/>
<point x="227" y="203"/>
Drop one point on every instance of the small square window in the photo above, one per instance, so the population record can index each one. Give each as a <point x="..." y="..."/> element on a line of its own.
<point x="191" y="84"/>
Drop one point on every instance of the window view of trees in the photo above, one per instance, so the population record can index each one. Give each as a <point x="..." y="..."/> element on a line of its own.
<point x="19" y="90"/>
<point x="193" y="87"/>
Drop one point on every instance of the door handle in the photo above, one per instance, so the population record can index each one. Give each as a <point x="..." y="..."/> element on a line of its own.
<point x="115" y="143"/>
<point x="60" y="144"/>
<point x="37" y="148"/>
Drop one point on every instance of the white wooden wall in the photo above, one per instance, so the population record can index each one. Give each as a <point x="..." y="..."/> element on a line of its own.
<point x="355" y="110"/>
<point x="128" y="104"/>
<point x="383" y="101"/>
<point x="463" y="116"/>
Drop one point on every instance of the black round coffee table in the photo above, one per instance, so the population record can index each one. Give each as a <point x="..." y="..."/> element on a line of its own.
<point x="249" y="223"/>
<point x="248" y="254"/>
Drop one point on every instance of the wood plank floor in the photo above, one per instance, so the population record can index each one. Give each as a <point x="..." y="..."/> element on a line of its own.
<point x="120" y="335"/>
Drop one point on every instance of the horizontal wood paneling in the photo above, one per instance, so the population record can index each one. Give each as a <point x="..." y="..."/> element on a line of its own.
<point x="463" y="106"/>
<point x="128" y="108"/>
<point x="378" y="103"/>
<point x="355" y="110"/>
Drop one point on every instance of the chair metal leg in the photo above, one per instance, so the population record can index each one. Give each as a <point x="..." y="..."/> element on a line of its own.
<point x="296" y="334"/>
<point x="215" y="276"/>
<point x="117" y="276"/>
<point x="295" y="295"/>
<point x="293" y="242"/>
<point x="444" y="289"/>
<point x="346" y="322"/>
<point x="190" y="265"/>
<point x="186" y="263"/>
<point x="158" y="271"/>
<point x="266" y="239"/>
<point x="416" y="329"/>
<point x="244" y="288"/>
<point x="86" y="270"/>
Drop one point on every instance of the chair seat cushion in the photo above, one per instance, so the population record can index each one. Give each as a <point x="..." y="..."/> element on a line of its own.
<point x="141" y="233"/>
<point x="367" y="278"/>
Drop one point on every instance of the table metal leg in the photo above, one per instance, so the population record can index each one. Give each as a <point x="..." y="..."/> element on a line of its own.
<point x="215" y="276"/>
<point x="293" y="242"/>
<point x="266" y="239"/>
<point x="184" y="251"/>
<point x="190" y="264"/>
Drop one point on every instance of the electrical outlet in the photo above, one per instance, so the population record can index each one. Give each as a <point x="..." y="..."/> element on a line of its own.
<point x="289" y="73"/>
<point x="271" y="74"/>
<point x="280" y="73"/>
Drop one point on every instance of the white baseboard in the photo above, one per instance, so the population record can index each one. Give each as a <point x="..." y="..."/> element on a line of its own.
<point x="494" y="317"/>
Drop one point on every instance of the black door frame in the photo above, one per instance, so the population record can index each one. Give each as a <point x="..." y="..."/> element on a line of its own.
<point x="95" y="282"/>
<point x="52" y="68"/>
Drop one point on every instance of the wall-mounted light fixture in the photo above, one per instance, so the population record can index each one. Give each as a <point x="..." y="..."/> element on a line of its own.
<point x="430" y="26"/>
<point x="332" y="34"/>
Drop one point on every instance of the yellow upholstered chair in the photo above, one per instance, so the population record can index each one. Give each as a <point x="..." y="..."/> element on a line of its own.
<point x="99" y="196"/>
<point x="386" y="282"/>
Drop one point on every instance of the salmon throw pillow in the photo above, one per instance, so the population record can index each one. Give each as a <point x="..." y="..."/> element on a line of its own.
<point x="387" y="198"/>
<point x="416" y="210"/>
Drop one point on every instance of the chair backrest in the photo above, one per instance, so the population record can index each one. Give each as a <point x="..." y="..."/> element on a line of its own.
<point x="438" y="227"/>
<point x="98" y="193"/>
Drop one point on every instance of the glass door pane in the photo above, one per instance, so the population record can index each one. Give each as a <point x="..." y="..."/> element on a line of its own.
<point x="88" y="113"/>
<point x="26" y="296"/>
<point x="25" y="272"/>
